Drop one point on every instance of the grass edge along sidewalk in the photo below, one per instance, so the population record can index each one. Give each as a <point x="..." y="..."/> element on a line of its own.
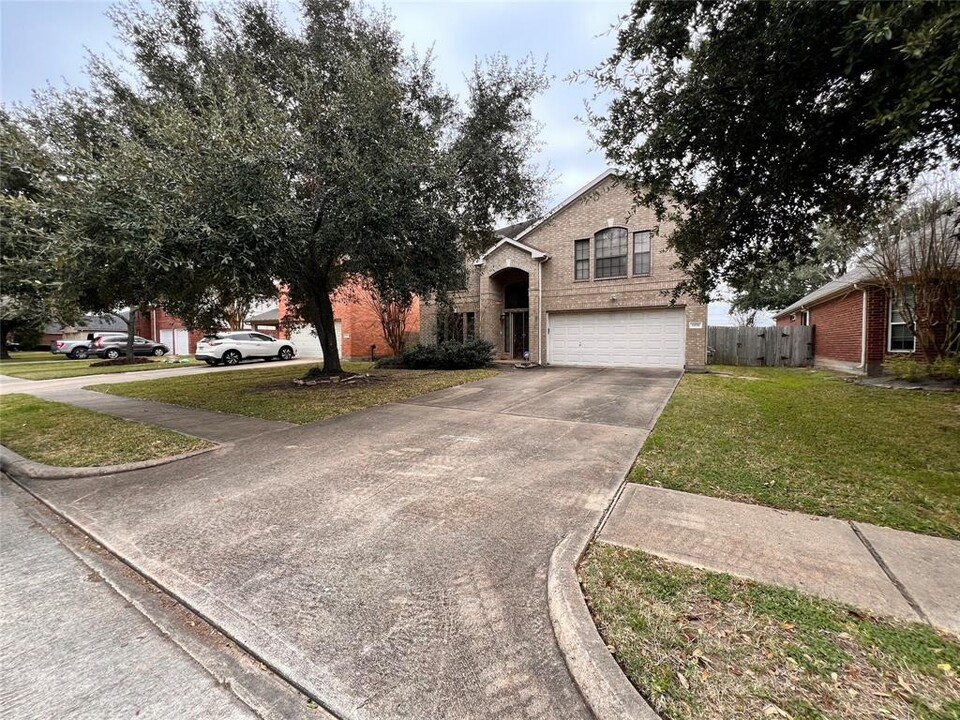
<point x="702" y="644"/>
<point x="811" y="441"/>
<point x="270" y="394"/>
<point x="66" y="436"/>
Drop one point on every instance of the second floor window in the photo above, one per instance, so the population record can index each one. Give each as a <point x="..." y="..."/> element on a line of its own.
<point x="611" y="251"/>
<point x="641" y="252"/>
<point x="581" y="260"/>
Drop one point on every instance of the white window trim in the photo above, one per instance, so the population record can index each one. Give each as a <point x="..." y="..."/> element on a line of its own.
<point x="890" y="325"/>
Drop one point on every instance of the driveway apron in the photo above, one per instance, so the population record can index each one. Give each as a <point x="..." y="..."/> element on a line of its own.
<point x="392" y="562"/>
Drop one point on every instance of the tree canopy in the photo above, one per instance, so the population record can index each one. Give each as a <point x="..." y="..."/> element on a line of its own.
<point x="785" y="283"/>
<point x="762" y="121"/>
<point x="31" y="295"/>
<point x="233" y="152"/>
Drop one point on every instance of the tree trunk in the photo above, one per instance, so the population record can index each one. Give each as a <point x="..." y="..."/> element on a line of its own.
<point x="5" y="331"/>
<point x="321" y="311"/>
<point x="131" y="322"/>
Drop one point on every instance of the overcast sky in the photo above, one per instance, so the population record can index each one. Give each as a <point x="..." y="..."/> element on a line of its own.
<point x="49" y="41"/>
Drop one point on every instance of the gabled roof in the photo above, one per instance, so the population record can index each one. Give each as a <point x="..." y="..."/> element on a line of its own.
<point x="512" y="231"/>
<point x="92" y="323"/>
<point x="857" y="276"/>
<point x="534" y="253"/>
<point x="272" y="315"/>
<point x="569" y="201"/>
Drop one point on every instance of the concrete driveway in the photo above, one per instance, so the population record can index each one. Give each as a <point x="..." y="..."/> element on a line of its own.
<point x="392" y="562"/>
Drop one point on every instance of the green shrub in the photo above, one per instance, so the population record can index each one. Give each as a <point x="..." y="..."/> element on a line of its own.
<point x="394" y="361"/>
<point x="449" y="355"/>
<point x="946" y="368"/>
<point x="905" y="367"/>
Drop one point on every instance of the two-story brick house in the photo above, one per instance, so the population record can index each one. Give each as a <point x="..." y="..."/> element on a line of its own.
<point x="588" y="284"/>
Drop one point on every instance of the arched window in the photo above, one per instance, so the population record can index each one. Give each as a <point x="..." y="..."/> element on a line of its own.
<point x="610" y="246"/>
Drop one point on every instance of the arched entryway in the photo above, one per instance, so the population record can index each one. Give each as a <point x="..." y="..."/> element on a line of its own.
<point x="513" y="285"/>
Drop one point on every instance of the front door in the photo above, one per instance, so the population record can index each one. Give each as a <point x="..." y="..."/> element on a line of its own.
<point x="516" y="333"/>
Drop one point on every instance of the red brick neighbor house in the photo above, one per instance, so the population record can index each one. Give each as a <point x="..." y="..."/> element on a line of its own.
<point x="856" y="324"/>
<point x="359" y="335"/>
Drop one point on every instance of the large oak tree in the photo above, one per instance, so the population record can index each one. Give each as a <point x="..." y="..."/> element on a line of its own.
<point x="242" y="151"/>
<point x="763" y="120"/>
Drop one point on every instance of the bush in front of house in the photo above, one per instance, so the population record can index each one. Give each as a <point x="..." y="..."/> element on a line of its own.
<point x="448" y="355"/>
<point x="913" y="370"/>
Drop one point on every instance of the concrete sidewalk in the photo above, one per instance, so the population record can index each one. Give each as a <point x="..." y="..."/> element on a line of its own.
<point x="887" y="572"/>
<point x="218" y="427"/>
<point x="10" y="384"/>
<point x="70" y="646"/>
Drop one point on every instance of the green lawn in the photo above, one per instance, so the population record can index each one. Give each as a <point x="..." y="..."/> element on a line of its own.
<point x="33" y="356"/>
<point x="803" y="440"/>
<point x="60" y="367"/>
<point x="270" y="394"/>
<point x="67" y="436"/>
<point x="699" y="644"/>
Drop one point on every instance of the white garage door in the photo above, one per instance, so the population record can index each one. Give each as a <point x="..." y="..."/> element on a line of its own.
<point x="178" y="341"/>
<point x="308" y="344"/>
<point x="623" y="338"/>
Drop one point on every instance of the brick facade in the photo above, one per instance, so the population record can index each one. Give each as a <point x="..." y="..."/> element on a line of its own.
<point x="606" y="204"/>
<point x="359" y="324"/>
<point x="839" y="341"/>
<point x="150" y="324"/>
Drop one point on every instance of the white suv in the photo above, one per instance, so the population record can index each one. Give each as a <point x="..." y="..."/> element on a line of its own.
<point x="232" y="347"/>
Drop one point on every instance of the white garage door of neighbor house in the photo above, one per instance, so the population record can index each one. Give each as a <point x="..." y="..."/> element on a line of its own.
<point x="625" y="338"/>
<point x="177" y="341"/>
<point x="308" y="344"/>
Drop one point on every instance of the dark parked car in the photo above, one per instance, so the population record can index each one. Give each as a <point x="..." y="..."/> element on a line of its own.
<point x="114" y="347"/>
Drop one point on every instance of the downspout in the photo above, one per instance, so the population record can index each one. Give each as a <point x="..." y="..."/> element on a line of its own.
<point x="541" y="335"/>
<point x="863" y="335"/>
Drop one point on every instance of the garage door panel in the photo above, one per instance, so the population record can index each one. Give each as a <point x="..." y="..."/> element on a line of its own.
<point x="627" y="338"/>
<point x="308" y="344"/>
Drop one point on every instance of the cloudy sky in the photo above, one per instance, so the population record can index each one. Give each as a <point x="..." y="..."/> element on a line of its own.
<point x="43" y="42"/>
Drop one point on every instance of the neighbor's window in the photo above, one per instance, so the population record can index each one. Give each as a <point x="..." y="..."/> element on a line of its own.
<point x="457" y="326"/>
<point x="641" y="252"/>
<point x="581" y="259"/>
<point x="611" y="250"/>
<point x="805" y="317"/>
<point x="901" y="339"/>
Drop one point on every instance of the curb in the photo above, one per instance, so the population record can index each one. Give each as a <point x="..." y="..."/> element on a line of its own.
<point x="605" y="688"/>
<point x="15" y="464"/>
<point x="607" y="691"/>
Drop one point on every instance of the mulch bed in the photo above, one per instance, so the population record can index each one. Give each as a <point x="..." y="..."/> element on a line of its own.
<point x="344" y="379"/>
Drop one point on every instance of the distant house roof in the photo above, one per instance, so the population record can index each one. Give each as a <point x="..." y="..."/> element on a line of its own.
<point x="513" y="231"/>
<point x="92" y="323"/>
<point x="857" y="276"/>
<point x="270" y="316"/>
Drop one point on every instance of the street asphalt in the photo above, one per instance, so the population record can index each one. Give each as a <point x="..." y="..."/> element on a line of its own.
<point x="392" y="562"/>
<point x="72" y="647"/>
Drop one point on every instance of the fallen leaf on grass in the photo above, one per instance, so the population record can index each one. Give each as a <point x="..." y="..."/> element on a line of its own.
<point x="771" y="710"/>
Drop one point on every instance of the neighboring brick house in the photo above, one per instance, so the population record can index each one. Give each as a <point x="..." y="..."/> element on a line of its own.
<point x="359" y="334"/>
<point x="358" y="329"/>
<point x="160" y="326"/>
<point x="588" y="284"/>
<point x="855" y="324"/>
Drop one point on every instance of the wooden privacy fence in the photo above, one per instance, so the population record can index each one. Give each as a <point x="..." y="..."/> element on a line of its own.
<point x="790" y="346"/>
